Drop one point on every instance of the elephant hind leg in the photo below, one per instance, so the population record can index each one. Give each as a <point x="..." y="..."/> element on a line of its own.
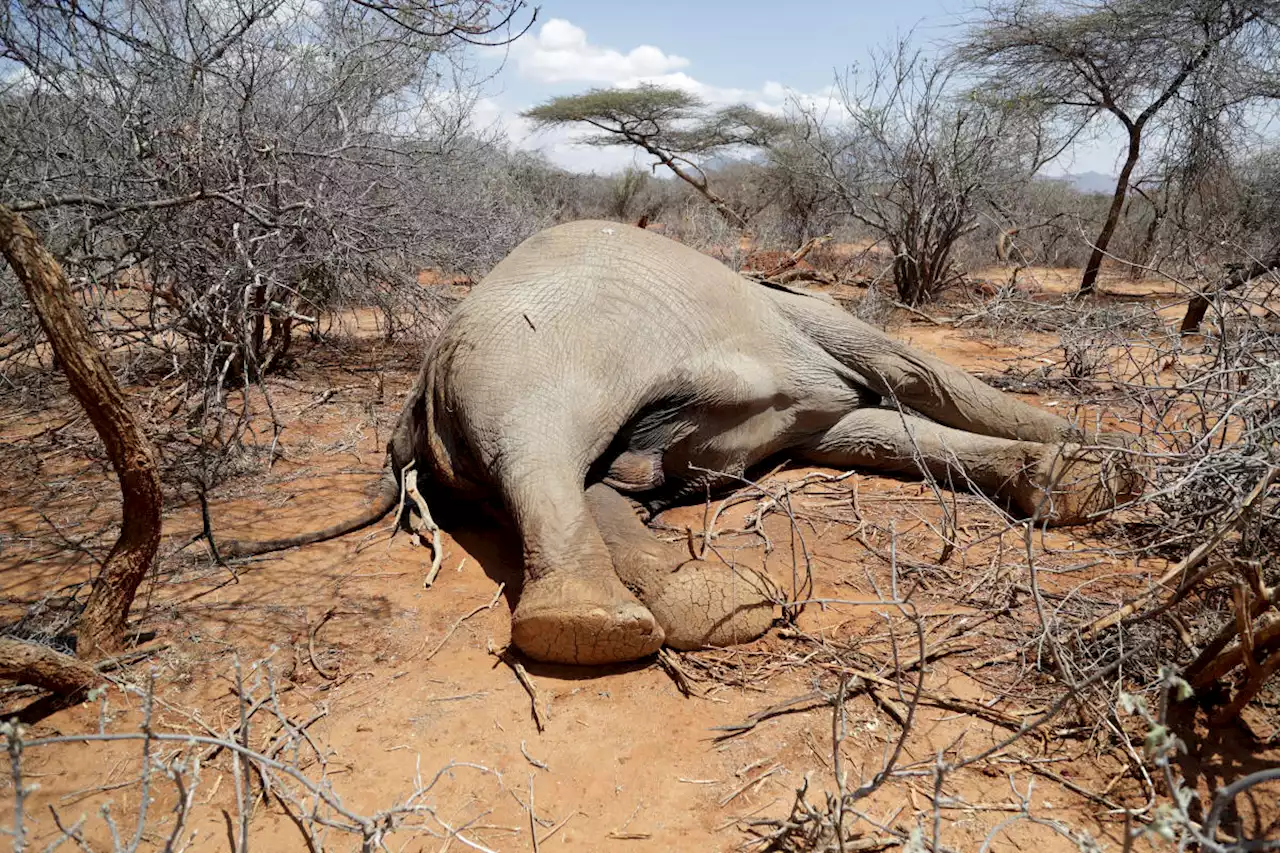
<point x="572" y="608"/>
<point x="1058" y="483"/>
<point x="697" y="603"/>
<point x="929" y="385"/>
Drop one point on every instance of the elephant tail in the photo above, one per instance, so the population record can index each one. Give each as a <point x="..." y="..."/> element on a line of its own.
<point x="387" y="498"/>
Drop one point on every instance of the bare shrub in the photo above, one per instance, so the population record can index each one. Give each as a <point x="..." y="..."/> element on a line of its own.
<point x="166" y="773"/>
<point x="1089" y="338"/>
<point x="911" y="159"/>
<point x="1205" y="424"/>
<point x="874" y="307"/>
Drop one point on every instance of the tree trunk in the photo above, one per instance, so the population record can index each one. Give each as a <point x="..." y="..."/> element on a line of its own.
<point x="1196" y="309"/>
<point x="1088" y="282"/>
<point x="1238" y="278"/>
<point x="720" y="206"/>
<point x="102" y="623"/>
<point x="1146" y="252"/>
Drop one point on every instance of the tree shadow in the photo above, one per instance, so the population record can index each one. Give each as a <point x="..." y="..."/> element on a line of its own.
<point x="1218" y="755"/>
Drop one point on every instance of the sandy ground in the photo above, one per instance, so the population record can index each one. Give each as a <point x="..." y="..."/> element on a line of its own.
<point x="399" y="681"/>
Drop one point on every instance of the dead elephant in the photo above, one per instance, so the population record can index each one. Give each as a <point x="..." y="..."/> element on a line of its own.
<point x="599" y="359"/>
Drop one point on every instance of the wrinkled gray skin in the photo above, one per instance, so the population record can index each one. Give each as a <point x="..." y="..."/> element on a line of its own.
<point x="599" y="359"/>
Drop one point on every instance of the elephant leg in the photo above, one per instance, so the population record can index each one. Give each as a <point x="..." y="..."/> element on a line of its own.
<point x="929" y="385"/>
<point x="698" y="603"/>
<point x="572" y="607"/>
<point x="1058" y="483"/>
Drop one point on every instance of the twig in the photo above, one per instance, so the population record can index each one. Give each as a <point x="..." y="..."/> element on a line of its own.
<point x="541" y="765"/>
<point x="311" y="645"/>
<point x="559" y="826"/>
<point x="111" y="664"/>
<point x="670" y="663"/>
<point x="533" y="821"/>
<point x="506" y="656"/>
<point x="799" y="704"/>
<point x="425" y="523"/>
<point x="483" y="607"/>
<point x="1187" y="564"/>
<point x="737" y="792"/>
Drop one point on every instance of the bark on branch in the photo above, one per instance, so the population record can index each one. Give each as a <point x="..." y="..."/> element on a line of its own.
<point x="42" y="667"/>
<point x="798" y="255"/>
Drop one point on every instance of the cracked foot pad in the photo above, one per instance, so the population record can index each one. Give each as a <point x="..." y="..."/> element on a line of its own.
<point x="585" y="621"/>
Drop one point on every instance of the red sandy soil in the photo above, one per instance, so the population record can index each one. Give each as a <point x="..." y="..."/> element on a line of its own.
<point x="409" y="684"/>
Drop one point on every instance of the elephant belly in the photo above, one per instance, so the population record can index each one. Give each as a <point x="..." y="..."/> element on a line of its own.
<point x="678" y="450"/>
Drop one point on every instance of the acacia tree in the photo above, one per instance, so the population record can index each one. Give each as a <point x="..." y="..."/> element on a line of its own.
<point x="672" y="125"/>
<point x="1129" y="59"/>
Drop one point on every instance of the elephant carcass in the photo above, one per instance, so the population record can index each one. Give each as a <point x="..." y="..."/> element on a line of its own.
<point x="600" y="359"/>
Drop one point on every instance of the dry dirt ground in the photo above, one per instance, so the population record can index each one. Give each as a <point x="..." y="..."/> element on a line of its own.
<point x="396" y="681"/>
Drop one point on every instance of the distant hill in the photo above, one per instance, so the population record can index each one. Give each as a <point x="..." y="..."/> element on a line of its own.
<point x="1085" y="182"/>
<point x="1091" y="182"/>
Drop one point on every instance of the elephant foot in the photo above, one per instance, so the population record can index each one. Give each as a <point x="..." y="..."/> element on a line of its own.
<point x="1070" y="484"/>
<point x="702" y="604"/>
<point x="565" y="618"/>
<point x="697" y="603"/>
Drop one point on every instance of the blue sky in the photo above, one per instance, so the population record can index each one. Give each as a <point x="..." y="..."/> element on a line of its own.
<point x="750" y="50"/>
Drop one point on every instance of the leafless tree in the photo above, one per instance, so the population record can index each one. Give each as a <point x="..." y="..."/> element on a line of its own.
<point x="914" y="159"/>
<point x="210" y="177"/>
<point x="242" y="166"/>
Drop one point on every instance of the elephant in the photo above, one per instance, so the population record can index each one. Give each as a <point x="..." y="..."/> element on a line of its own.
<point x="601" y="364"/>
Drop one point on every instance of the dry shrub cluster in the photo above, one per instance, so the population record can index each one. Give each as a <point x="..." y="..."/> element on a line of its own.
<point x="1205" y="415"/>
<point x="217" y="178"/>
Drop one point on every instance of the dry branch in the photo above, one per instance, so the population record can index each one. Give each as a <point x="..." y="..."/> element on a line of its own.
<point x="1181" y="569"/>
<point x="497" y="596"/>
<point x="1264" y="639"/>
<point x="1188" y="564"/>
<point x="797" y="256"/>
<point x="522" y="675"/>
<point x="45" y="668"/>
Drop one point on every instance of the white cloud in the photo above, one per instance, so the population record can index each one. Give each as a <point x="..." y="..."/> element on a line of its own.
<point x="560" y="53"/>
